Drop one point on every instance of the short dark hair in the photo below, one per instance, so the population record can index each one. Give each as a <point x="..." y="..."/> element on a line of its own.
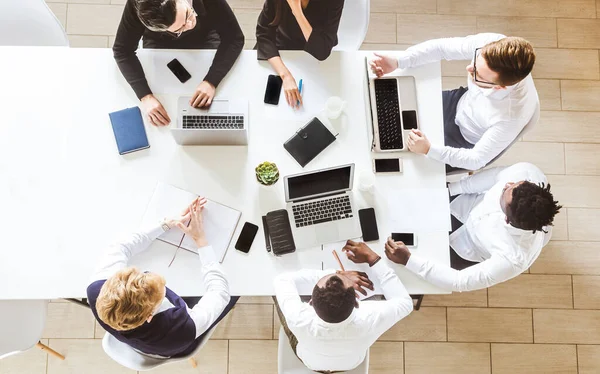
<point x="532" y="206"/>
<point x="334" y="302"/>
<point x="511" y="57"/>
<point x="156" y="15"/>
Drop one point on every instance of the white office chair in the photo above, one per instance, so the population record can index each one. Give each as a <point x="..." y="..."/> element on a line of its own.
<point x="353" y="25"/>
<point x="132" y="359"/>
<point x="22" y="325"/>
<point x="288" y="362"/>
<point x="30" y="23"/>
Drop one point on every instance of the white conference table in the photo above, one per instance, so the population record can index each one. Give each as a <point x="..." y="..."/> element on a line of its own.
<point x="66" y="194"/>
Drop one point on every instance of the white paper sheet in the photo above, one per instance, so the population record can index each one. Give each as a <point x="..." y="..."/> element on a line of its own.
<point x="220" y="221"/>
<point x="410" y="210"/>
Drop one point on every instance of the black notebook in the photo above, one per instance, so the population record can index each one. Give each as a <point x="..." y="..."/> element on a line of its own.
<point x="280" y="232"/>
<point x="309" y="141"/>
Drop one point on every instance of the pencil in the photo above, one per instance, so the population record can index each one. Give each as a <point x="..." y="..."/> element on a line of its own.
<point x="338" y="260"/>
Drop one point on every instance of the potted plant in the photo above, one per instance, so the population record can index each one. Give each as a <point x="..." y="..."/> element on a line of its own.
<point x="267" y="173"/>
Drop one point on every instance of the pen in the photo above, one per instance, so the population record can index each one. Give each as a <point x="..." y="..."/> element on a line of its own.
<point x="299" y="91"/>
<point x="338" y="260"/>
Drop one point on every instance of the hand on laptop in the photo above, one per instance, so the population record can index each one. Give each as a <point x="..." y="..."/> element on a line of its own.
<point x="156" y="112"/>
<point x="205" y="92"/>
<point x="196" y="227"/>
<point x="359" y="279"/>
<point x="381" y="64"/>
<point x="396" y="252"/>
<point x="418" y="142"/>
<point x="360" y="253"/>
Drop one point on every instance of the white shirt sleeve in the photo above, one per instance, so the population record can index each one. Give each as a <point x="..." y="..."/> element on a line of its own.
<point x="116" y="256"/>
<point x="216" y="297"/>
<point x="477" y="183"/>
<point x="445" y="49"/>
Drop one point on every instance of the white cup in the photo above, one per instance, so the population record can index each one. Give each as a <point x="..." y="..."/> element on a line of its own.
<point x="366" y="181"/>
<point x="334" y="106"/>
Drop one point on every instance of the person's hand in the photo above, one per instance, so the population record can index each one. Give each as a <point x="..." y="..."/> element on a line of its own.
<point x="418" y="142"/>
<point x="156" y="112"/>
<point x="205" y="92"/>
<point x="381" y="64"/>
<point x="396" y="252"/>
<point x="359" y="279"/>
<point x="292" y="95"/>
<point x="183" y="218"/>
<point x="196" y="227"/>
<point x="360" y="253"/>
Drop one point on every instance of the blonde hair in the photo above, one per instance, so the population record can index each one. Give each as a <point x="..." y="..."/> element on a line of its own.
<point x="511" y="57"/>
<point x="129" y="297"/>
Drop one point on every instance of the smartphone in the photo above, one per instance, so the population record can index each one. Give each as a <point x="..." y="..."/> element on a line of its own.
<point x="408" y="239"/>
<point x="368" y="224"/>
<point x="387" y="165"/>
<point x="179" y="71"/>
<point x="246" y="237"/>
<point x="273" y="90"/>
<point x="409" y="119"/>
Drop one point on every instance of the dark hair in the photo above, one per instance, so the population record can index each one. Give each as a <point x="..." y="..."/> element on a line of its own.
<point x="532" y="206"/>
<point x="334" y="302"/>
<point x="156" y="15"/>
<point x="278" y="11"/>
<point x="511" y="57"/>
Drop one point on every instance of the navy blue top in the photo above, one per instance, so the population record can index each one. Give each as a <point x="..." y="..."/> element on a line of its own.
<point x="170" y="333"/>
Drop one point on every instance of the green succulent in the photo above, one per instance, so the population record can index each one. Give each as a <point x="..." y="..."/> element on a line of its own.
<point x="267" y="173"/>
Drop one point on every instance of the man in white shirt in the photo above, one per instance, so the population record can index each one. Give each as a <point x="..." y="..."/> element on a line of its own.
<point x="485" y="119"/>
<point x="139" y="310"/>
<point x="334" y="330"/>
<point x="507" y="215"/>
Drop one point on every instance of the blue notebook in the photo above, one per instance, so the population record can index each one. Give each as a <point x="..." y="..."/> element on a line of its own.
<point x="129" y="130"/>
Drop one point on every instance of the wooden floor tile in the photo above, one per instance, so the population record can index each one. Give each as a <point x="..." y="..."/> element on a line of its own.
<point x="451" y="83"/>
<point x="583" y="127"/>
<point x="564" y="257"/>
<point x="582" y="159"/>
<point x="88" y="41"/>
<point x="276" y="324"/>
<point x="566" y="326"/>
<point x="560" y="229"/>
<point x="580" y="95"/>
<point x="446" y="358"/>
<point x="60" y="11"/>
<point x="382" y="28"/>
<point x="247" y="19"/>
<point x="586" y="292"/>
<point x="540" y="32"/>
<point x="68" y="320"/>
<point x="383" y="47"/>
<point x="533" y="291"/>
<point x="386" y="357"/>
<point x="489" y="325"/>
<point x="256" y="4"/>
<point x="566" y="63"/>
<point x="583" y="224"/>
<point x="534" y="359"/>
<point x="576" y="191"/>
<point x="252" y="356"/>
<point x="32" y="361"/>
<point x="549" y="93"/>
<point x="212" y="359"/>
<point x="247" y="321"/>
<point x="88" y="19"/>
<point x="403" y="6"/>
<point x="455" y="68"/>
<point x="530" y="8"/>
<point x="578" y="33"/>
<point x="470" y="299"/>
<point x="426" y="324"/>
<point x="417" y="28"/>
<point x="550" y="157"/>
<point x="98" y="331"/>
<point x="255" y="300"/>
<point x="83" y="356"/>
<point x="588" y="359"/>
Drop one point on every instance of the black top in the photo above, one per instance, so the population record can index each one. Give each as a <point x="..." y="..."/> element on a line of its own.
<point x="217" y="28"/>
<point x="324" y="17"/>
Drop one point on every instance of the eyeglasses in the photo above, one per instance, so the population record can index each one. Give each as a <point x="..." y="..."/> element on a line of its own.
<point x="191" y="13"/>
<point x="475" y="69"/>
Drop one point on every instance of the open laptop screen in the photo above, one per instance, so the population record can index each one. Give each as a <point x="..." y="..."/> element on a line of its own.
<point x="322" y="182"/>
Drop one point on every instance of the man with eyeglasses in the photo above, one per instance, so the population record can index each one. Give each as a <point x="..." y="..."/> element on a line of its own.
<point x="482" y="120"/>
<point x="177" y="24"/>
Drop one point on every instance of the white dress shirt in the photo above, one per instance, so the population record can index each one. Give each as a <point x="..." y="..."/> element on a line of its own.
<point x="210" y="306"/>
<point x="488" y="118"/>
<point x="502" y="250"/>
<point x="340" y="346"/>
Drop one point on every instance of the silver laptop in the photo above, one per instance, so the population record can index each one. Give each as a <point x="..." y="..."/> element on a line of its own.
<point x="225" y="122"/>
<point x="321" y="206"/>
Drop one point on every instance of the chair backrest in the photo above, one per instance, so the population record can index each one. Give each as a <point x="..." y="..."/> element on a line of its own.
<point x="21" y="325"/>
<point x="30" y="23"/>
<point x="134" y="360"/>
<point x="289" y="363"/>
<point x="353" y="25"/>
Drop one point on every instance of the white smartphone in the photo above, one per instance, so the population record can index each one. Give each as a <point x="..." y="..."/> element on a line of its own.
<point x="409" y="239"/>
<point x="387" y="165"/>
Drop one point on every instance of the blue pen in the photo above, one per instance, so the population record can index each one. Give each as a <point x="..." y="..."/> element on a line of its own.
<point x="299" y="91"/>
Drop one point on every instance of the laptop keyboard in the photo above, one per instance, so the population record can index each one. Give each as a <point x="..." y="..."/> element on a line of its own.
<point x="315" y="212"/>
<point x="388" y="114"/>
<point x="213" y="122"/>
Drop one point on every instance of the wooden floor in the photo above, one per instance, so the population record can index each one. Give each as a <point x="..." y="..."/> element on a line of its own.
<point x="546" y="321"/>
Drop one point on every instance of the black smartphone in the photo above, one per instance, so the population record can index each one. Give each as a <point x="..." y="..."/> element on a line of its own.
<point x="387" y="165"/>
<point x="273" y="90"/>
<point x="407" y="238"/>
<point x="409" y="119"/>
<point x="179" y="71"/>
<point x="246" y="237"/>
<point x="368" y="224"/>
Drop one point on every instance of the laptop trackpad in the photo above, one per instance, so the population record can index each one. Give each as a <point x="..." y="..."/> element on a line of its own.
<point x="327" y="233"/>
<point x="217" y="106"/>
